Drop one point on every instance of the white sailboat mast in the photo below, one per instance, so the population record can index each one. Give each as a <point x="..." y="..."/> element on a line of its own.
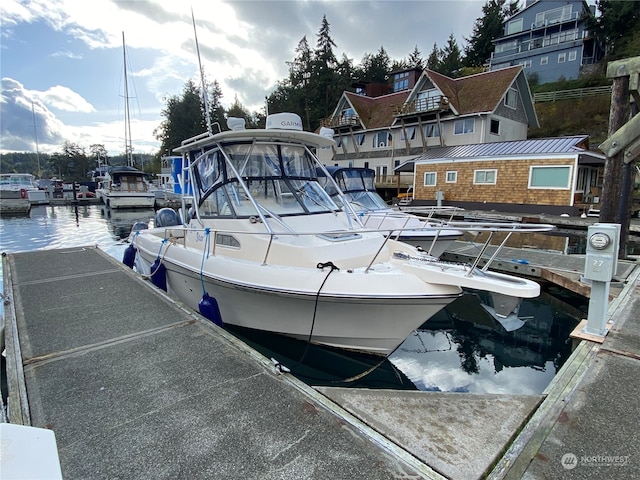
<point x="204" y="86"/>
<point x="127" y="117"/>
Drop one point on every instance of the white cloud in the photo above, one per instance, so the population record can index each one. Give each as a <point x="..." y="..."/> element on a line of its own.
<point x="62" y="98"/>
<point x="244" y="44"/>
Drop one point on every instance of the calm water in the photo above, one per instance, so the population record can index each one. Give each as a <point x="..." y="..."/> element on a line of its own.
<point x="462" y="349"/>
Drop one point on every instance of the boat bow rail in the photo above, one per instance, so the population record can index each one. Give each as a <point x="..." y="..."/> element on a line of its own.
<point x="466" y="275"/>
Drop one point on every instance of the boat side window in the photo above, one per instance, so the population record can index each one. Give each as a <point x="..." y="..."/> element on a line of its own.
<point x="226" y="201"/>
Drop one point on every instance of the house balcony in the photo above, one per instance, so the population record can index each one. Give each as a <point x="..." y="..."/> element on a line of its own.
<point x="340" y="121"/>
<point x="419" y="106"/>
<point x="573" y="17"/>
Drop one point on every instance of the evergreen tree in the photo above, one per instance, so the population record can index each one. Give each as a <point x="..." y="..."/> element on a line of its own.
<point x="71" y="164"/>
<point x="322" y="87"/>
<point x="183" y="118"/>
<point x="487" y="28"/>
<point x="434" y="59"/>
<point x="301" y="67"/>
<point x="451" y="58"/>
<point x="216" y="110"/>
<point x="415" y="59"/>
<point x="617" y="27"/>
<point x="323" y="54"/>
<point x="375" y="68"/>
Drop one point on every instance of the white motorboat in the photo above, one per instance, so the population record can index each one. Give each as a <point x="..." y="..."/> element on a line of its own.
<point x="18" y="191"/>
<point x="425" y="231"/>
<point x="265" y="247"/>
<point x="125" y="187"/>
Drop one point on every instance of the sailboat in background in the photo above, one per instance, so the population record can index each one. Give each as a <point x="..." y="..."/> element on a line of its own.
<point x="125" y="186"/>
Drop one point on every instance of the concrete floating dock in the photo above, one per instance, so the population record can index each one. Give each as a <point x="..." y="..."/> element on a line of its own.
<point x="136" y="386"/>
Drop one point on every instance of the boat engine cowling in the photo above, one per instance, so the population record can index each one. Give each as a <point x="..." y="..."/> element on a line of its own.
<point x="139" y="226"/>
<point x="167" y="217"/>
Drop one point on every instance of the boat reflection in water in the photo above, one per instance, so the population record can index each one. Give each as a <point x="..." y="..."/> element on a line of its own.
<point x="120" y="221"/>
<point x="323" y="366"/>
<point x="465" y="349"/>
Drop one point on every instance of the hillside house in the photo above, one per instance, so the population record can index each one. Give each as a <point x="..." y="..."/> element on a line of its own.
<point x="427" y="110"/>
<point x="549" y="39"/>
<point x="546" y="175"/>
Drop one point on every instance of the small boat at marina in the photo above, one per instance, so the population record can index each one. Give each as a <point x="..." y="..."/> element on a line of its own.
<point x="18" y="191"/>
<point x="425" y="231"/>
<point x="264" y="246"/>
<point x="125" y="187"/>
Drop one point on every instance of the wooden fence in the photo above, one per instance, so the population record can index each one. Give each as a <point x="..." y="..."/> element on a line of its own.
<point x="571" y="94"/>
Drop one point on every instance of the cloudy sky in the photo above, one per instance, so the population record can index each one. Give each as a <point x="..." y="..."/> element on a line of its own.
<point x="62" y="66"/>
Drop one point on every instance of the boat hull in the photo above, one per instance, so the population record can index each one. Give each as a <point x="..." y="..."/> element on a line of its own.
<point x="128" y="200"/>
<point x="12" y="202"/>
<point x="372" y="323"/>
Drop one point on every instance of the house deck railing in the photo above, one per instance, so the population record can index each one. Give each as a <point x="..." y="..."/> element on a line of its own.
<point x="422" y="105"/>
<point x="340" y="121"/>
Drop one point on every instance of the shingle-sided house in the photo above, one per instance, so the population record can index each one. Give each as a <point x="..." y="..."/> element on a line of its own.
<point x="545" y="175"/>
<point x="435" y="111"/>
<point x="549" y="38"/>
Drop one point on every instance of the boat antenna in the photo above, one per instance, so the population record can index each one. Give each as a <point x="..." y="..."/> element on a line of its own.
<point x="35" y="132"/>
<point x="204" y="87"/>
<point x="127" y="119"/>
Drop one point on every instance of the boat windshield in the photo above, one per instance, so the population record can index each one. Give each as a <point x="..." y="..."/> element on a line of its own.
<point x="17" y="181"/>
<point x="235" y="180"/>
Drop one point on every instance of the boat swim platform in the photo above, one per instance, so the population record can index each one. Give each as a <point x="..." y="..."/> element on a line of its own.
<point x="133" y="385"/>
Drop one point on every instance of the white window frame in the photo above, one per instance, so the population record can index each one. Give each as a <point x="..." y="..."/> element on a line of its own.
<point x="435" y="179"/>
<point x="568" y="168"/>
<point x="376" y="140"/>
<point x="573" y="55"/>
<point x="562" y="57"/>
<point x="411" y="133"/>
<point x="544" y="60"/>
<point x="452" y="176"/>
<point x="512" y="93"/>
<point x="461" y="127"/>
<point x="484" y="172"/>
<point x="360" y="138"/>
<point x="515" y="26"/>
<point x="430" y="130"/>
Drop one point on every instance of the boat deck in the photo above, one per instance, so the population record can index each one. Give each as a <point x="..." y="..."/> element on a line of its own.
<point x="134" y="385"/>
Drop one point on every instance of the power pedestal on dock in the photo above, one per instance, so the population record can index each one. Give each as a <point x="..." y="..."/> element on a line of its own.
<point x="600" y="265"/>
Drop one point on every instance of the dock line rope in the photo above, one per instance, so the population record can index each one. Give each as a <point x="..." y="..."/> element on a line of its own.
<point x="152" y="273"/>
<point x="320" y="266"/>
<point x="205" y="254"/>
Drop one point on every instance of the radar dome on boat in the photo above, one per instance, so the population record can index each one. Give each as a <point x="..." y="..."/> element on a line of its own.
<point x="326" y="132"/>
<point x="235" y="123"/>
<point x="284" y="121"/>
